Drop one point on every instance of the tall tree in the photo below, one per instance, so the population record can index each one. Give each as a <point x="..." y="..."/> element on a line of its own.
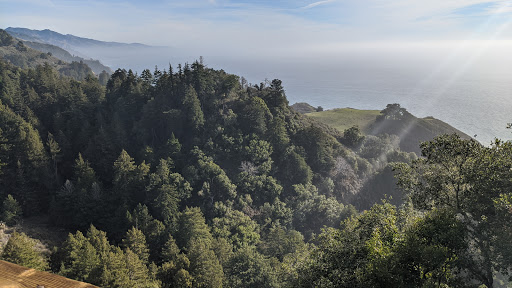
<point x="54" y="149"/>
<point x="192" y="226"/>
<point x="192" y="109"/>
<point x="136" y="242"/>
<point x="204" y="265"/>
<point x="11" y="211"/>
<point x="21" y="250"/>
<point x="468" y="179"/>
<point x="248" y="268"/>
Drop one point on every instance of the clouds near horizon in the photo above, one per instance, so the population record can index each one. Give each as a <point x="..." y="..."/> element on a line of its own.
<point x="228" y="25"/>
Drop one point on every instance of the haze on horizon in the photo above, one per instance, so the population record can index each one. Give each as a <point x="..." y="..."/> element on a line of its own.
<point x="333" y="53"/>
<point x="268" y="28"/>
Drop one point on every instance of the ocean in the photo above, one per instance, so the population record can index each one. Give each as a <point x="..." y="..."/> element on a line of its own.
<point x="469" y="87"/>
<point x="474" y="97"/>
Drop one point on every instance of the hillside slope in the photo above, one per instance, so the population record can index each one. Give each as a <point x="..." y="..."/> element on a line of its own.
<point x="344" y="118"/>
<point x="112" y="54"/>
<point x="64" y="55"/>
<point x="14" y="51"/>
<point x="61" y="40"/>
<point x="411" y="130"/>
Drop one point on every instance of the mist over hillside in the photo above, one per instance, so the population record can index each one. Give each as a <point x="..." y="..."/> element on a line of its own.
<point x="64" y="55"/>
<point x="187" y="167"/>
<point x="113" y="54"/>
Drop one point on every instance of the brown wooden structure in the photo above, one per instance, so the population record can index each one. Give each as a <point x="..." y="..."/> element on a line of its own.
<point x="15" y="276"/>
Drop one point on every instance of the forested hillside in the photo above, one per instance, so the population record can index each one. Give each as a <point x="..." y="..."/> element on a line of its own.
<point x="195" y="178"/>
<point x="65" y="56"/>
<point x="136" y="56"/>
<point x="14" y="51"/>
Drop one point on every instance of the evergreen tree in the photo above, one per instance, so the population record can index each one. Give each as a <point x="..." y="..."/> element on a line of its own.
<point x="79" y="259"/>
<point x="248" y="268"/>
<point x="170" y="251"/>
<point x="11" y="211"/>
<point x="129" y="179"/>
<point x="153" y="229"/>
<point x="84" y="175"/>
<point x="255" y="116"/>
<point x="192" y="109"/>
<point x="21" y="250"/>
<point x="204" y="265"/>
<point x="54" y="149"/>
<point x="192" y="226"/>
<point x="103" y="78"/>
<point x="136" y="242"/>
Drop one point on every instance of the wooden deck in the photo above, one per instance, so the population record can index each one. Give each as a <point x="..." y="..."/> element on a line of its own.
<point x="15" y="276"/>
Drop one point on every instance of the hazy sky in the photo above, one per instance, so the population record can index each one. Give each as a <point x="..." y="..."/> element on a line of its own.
<point x="226" y="26"/>
<point x="420" y="53"/>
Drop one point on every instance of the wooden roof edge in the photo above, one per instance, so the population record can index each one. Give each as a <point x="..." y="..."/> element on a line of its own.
<point x="31" y="278"/>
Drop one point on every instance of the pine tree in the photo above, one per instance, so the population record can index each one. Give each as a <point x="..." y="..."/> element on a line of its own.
<point x="83" y="173"/>
<point x="192" y="108"/>
<point x="54" y="149"/>
<point x="170" y="251"/>
<point x="204" y="265"/>
<point x="123" y="168"/>
<point x="129" y="179"/>
<point x="138" y="273"/>
<point x="80" y="259"/>
<point x="11" y="211"/>
<point x="20" y="249"/>
<point x="136" y="242"/>
<point x="192" y="226"/>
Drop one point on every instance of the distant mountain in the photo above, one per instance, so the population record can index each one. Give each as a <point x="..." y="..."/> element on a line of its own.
<point x="64" y="55"/>
<point x="113" y="54"/>
<point x="14" y="51"/>
<point x="61" y="40"/>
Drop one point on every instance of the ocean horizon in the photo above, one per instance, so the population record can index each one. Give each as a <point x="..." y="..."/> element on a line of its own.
<point x="469" y="88"/>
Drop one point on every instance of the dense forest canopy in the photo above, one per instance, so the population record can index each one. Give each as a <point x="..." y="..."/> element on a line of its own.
<point x="191" y="177"/>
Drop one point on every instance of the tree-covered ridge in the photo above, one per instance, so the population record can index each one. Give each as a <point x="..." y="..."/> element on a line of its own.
<point x="16" y="52"/>
<point x="51" y="37"/>
<point x="65" y="56"/>
<point x="195" y="178"/>
<point x="195" y="155"/>
<point x="81" y="121"/>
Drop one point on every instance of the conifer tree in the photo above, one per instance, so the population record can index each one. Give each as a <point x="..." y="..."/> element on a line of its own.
<point x="192" y="107"/>
<point x="170" y="251"/>
<point x="204" y="265"/>
<point x="20" y="249"/>
<point x="11" y="211"/>
<point x="80" y="259"/>
<point x="83" y="173"/>
<point x="191" y="227"/>
<point x="136" y="242"/>
<point x="54" y="149"/>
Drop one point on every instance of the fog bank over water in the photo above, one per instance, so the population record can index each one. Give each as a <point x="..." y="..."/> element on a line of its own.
<point x="466" y="84"/>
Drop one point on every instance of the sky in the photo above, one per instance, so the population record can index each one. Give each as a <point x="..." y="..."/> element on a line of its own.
<point x="267" y="26"/>
<point x="327" y="52"/>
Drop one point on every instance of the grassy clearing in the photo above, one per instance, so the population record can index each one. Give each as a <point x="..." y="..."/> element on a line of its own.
<point x="412" y="131"/>
<point x="344" y="118"/>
